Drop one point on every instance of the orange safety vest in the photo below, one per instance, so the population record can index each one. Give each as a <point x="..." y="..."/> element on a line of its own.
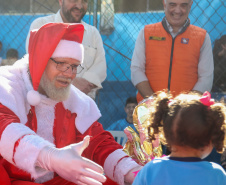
<point x="172" y="63"/>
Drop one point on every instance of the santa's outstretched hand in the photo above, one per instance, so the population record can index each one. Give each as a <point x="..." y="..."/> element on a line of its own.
<point x="70" y="165"/>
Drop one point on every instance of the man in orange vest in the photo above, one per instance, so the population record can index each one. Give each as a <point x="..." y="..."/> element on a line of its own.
<point x="172" y="54"/>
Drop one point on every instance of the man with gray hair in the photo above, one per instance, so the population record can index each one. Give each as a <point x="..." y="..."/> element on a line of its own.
<point x="172" y="54"/>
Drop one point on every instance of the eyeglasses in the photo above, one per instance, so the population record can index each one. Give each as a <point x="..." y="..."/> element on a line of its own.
<point x="63" y="66"/>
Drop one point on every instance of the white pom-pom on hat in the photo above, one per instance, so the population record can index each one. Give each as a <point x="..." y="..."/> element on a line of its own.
<point x="33" y="97"/>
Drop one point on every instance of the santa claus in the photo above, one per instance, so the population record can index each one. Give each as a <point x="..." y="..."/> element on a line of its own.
<point x="49" y="131"/>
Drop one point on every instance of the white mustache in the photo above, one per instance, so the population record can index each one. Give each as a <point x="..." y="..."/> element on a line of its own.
<point x="68" y="80"/>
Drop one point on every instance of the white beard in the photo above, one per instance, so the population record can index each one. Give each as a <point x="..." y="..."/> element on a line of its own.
<point x="52" y="92"/>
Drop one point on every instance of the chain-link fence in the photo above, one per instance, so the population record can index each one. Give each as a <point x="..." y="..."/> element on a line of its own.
<point x="119" y="22"/>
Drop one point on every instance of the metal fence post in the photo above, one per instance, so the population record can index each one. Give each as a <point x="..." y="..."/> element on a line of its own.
<point x="31" y="6"/>
<point x="95" y="4"/>
<point x="147" y="8"/>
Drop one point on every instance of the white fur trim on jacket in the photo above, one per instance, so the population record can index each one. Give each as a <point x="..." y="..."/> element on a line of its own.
<point x="31" y="144"/>
<point x="111" y="162"/>
<point x="10" y="135"/>
<point x="27" y="151"/>
<point x="86" y="109"/>
<point x="12" y="88"/>
<point x="122" y="168"/>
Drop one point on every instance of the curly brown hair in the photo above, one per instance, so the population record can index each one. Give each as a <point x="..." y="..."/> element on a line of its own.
<point x="187" y="122"/>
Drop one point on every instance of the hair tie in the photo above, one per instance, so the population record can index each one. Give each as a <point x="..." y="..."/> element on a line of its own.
<point x="206" y="99"/>
<point x="170" y="102"/>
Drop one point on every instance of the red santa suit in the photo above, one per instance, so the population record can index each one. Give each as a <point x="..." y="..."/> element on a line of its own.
<point x="25" y="130"/>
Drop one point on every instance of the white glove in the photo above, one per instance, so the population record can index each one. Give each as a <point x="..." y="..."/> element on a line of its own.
<point x="68" y="163"/>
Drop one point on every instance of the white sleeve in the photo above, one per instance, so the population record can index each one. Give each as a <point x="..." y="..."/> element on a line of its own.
<point x="205" y="67"/>
<point x="138" y="60"/>
<point x="94" y="60"/>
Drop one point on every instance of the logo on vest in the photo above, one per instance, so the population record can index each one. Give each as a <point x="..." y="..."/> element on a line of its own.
<point x="157" y="38"/>
<point x="184" y="41"/>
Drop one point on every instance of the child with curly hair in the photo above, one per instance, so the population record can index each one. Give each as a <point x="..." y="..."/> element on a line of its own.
<point x="192" y="125"/>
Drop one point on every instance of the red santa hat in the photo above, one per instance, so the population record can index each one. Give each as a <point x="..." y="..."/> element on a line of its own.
<point x="52" y="40"/>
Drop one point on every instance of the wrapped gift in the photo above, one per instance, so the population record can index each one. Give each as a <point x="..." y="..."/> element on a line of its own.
<point x="143" y="145"/>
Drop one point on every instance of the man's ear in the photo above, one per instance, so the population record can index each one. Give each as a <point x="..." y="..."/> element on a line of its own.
<point x="191" y="5"/>
<point x="60" y="2"/>
<point x="164" y="4"/>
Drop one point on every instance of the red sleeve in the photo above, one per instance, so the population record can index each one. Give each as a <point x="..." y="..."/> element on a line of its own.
<point x="102" y="143"/>
<point x="6" y="117"/>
